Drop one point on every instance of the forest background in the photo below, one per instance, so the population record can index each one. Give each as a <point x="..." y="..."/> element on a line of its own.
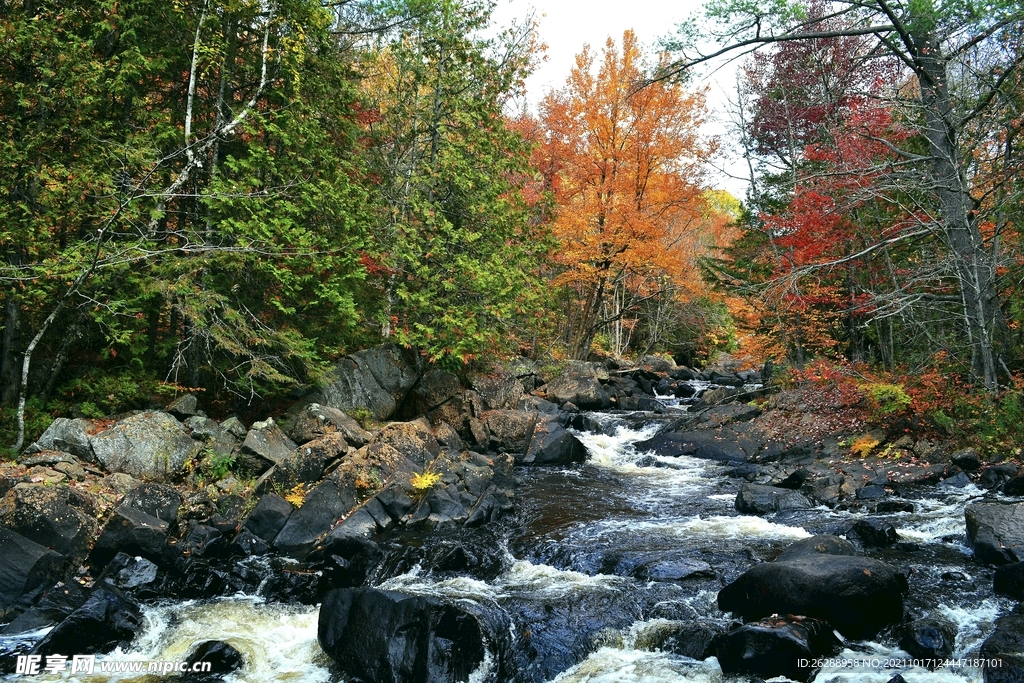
<point x="225" y="197"/>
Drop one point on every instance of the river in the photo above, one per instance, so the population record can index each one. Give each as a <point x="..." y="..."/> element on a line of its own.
<point x="609" y="557"/>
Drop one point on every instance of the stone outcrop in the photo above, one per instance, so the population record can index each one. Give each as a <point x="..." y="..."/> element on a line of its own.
<point x="152" y="446"/>
<point x="375" y="380"/>
<point x="995" y="531"/>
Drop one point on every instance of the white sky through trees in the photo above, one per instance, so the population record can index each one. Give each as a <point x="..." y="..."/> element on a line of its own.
<point x="565" y="25"/>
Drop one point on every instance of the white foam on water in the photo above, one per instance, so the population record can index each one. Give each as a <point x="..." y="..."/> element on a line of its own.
<point x="616" y="449"/>
<point x="711" y="528"/>
<point x="278" y="642"/>
<point x="612" y="665"/>
<point x="522" y="580"/>
<point x="974" y="624"/>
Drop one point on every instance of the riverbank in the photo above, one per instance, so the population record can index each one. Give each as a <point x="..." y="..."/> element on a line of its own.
<point x="548" y="520"/>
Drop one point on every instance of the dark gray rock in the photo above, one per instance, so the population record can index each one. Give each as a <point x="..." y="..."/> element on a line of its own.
<point x="321" y="510"/>
<point x="221" y="657"/>
<point x="822" y="544"/>
<point x="132" y="532"/>
<point x="995" y="531"/>
<point x="268" y="517"/>
<point x="47" y="516"/>
<point x="509" y="431"/>
<point x="1006" y="646"/>
<point x="1009" y="580"/>
<point x="267" y="441"/>
<point x="26" y="568"/>
<point x="151" y="446"/>
<point x="754" y="499"/>
<point x="234" y="426"/>
<point x="314" y="421"/>
<point x="498" y="390"/>
<point x="858" y="596"/>
<point x="873" y="533"/>
<point x="957" y="481"/>
<point x="580" y="385"/>
<point x="376" y="380"/>
<point x="870" y="492"/>
<point x="71" y="436"/>
<point x="129" y="573"/>
<point x="53" y="607"/>
<point x="552" y="444"/>
<point x="693" y="640"/>
<point x="107" y="619"/>
<point x="156" y="500"/>
<point x="779" y="646"/>
<point x="930" y="638"/>
<point x="184" y="406"/>
<point x="996" y="476"/>
<point x="306" y="464"/>
<point x="707" y="445"/>
<point x="1014" y="487"/>
<point x="389" y="637"/>
<point x="967" y="459"/>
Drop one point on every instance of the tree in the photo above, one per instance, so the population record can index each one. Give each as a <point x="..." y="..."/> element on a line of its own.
<point x="625" y="167"/>
<point x="938" y="45"/>
<point x="174" y="170"/>
<point x="455" y="255"/>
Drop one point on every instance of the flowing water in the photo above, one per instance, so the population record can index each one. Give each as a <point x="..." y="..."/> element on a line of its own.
<point x="605" y="557"/>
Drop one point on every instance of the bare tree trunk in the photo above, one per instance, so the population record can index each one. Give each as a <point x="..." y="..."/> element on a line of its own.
<point x="975" y="265"/>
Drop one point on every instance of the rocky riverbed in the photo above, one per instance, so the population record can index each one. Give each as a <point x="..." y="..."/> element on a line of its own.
<point x="611" y="523"/>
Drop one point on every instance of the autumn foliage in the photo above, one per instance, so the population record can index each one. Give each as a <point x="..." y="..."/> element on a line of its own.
<point x="624" y="162"/>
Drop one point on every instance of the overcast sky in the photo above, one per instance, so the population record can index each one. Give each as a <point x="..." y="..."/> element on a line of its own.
<point x="566" y="25"/>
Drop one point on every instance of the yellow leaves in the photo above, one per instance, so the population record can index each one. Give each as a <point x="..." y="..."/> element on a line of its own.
<point x="863" y="445"/>
<point x="423" y="481"/>
<point x="297" y="495"/>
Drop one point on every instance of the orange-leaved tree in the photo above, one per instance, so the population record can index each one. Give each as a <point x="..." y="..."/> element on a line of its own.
<point x="623" y="159"/>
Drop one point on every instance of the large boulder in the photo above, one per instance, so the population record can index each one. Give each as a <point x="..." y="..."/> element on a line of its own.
<point x="552" y="444"/>
<point x="1003" y="652"/>
<point x="858" y="596"/>
<point x="267" y="441"/>
<point x="26" y="568"/>
<point x="723" y="445"/>
<point x="268" y="517"/>
<point x="323" y="507"/>
<point x="70" y="436"/>
<point x="375" y="380"/>
<point x="1009" y="580"/>
<point x="314" y="421"/>
<point x="389" y="637"/>
<point x="929" y="638"/>
<point x="509" y="431"/>
<point x="107" y="619"/>
<point x="822" y="544"/>
<point x="51" y="516"/>
<point x="156" y="500"/>
<point x="755" y="499"/>
<point x="578" y="384"/>
<point x="498" y="390"/>
<point x="995" y="531"/>
<point x="778" y="646"/>
<point x="152" y="446"/>
<point x="873" y="533"/>
<point x="306" y="464"/>
<point x="130" y="531"/>
<point x="433" y="390"/>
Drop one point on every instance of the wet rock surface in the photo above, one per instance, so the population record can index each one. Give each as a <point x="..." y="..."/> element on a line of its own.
<point x="585" y="553"/>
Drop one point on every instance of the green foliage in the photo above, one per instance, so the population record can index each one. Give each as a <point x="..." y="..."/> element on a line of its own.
<point x="455" y="257"/>
<point x="215" y="465"/>
<point x="887" y="399"/>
